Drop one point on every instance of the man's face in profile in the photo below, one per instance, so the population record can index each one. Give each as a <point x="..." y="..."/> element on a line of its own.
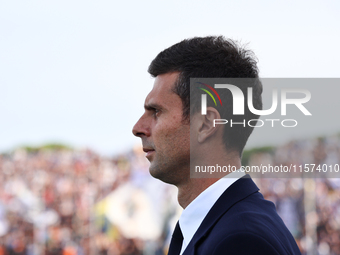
<point x="165" y="136"/>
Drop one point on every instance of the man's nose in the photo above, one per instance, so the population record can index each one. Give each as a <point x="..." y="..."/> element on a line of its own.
<point x="141" y="128"/>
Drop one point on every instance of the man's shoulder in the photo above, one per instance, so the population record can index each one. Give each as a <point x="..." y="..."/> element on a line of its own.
<point x="249" y="226"/>
<point x="244" y="242"/>
<point x="253" y="214"/>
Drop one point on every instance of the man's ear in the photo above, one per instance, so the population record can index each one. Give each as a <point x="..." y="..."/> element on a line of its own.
<point x="207" y="128"/>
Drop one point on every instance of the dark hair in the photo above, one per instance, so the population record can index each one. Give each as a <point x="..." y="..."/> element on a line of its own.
<point x="211" y="57"/>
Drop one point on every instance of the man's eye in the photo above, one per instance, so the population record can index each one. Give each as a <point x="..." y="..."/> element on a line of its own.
<point x="156" y="112"/>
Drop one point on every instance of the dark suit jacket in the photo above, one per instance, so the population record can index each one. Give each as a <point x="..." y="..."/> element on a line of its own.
<point x="242" y="222"/>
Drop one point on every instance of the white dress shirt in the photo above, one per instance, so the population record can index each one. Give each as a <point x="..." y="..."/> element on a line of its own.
<point x="193" y="215"/>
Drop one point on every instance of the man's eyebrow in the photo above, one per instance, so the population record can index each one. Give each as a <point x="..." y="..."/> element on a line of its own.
<point x="152" y="106"/>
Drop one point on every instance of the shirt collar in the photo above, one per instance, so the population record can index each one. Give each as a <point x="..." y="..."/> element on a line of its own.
<point x="193" y="215"/>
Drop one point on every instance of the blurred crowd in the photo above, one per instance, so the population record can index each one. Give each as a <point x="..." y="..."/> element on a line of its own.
<point x="76" y="202"/>
<point x="310" y="207"/>
<point x="49" y="202"/>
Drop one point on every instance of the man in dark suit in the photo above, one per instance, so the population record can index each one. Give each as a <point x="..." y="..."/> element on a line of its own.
<point x="221" y="215"/>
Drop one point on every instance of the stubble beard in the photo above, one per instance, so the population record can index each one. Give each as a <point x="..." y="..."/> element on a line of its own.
<point x="171" y="171"/>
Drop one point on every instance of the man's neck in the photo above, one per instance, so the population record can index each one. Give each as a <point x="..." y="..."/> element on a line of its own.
<point x="190" y="189"/>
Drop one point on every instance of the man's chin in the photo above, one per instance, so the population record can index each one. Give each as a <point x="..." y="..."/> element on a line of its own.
<point x="154" y="171"/>
<point x="160" y="174"/>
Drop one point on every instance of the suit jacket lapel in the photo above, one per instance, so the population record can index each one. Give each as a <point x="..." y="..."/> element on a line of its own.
<point x="238" y="191"/>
